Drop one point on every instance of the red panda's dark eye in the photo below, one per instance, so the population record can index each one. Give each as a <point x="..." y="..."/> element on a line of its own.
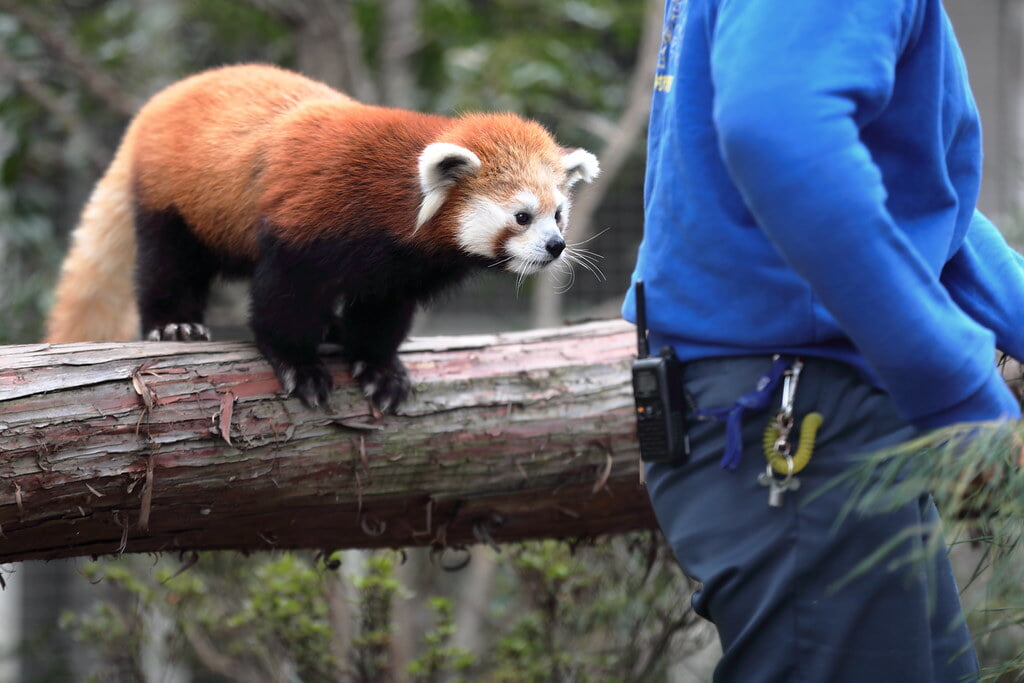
<point x="524" y="218"/>
<point x="558" y="216"/>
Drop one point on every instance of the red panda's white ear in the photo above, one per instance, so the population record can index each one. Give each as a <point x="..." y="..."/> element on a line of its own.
<point x="579" y="165"/>
<point x="441" y="165"/>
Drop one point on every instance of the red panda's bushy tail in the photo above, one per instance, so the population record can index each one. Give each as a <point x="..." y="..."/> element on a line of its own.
<point x="95" y="298"/>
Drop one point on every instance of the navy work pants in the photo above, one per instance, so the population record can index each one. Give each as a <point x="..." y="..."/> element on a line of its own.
<point x="769" y="575"/>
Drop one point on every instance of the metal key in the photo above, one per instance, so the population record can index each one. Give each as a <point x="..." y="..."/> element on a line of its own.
<point x="777" y="487"/>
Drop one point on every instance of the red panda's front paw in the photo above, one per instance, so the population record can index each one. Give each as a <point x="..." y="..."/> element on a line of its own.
<point x="311" y="383"/>
<point x="386" y="386"/>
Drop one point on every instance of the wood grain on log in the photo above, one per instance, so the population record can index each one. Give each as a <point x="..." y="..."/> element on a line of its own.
<point x="141" y="447"/>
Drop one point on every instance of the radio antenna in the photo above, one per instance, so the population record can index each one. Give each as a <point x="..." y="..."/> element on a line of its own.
<point x="642" y="348"/>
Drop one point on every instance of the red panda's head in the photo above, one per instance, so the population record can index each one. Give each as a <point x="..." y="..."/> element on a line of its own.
<point x="503" y="186"/>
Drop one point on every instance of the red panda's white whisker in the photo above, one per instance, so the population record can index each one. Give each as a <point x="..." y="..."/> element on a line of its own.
<point x="586" y="261"/>
<point x="525" y="267"/>
<point x="565" y="268"/>
<point x="504" y="260"/>
<point x="589" y="239"/>
<point x="584" y="255"/>
<point x="520" y="276"/>
<point x="588" y="252"/>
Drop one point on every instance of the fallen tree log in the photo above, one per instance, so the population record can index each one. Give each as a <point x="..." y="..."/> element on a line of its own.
<point x="144" y="447"/>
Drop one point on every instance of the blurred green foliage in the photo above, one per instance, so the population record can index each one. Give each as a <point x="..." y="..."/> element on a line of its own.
<point x="606" y="611"/>
<point x="440" y="660"/>
<point x="973" y="472"/>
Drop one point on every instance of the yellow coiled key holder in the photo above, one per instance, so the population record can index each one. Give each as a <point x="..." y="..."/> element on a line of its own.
<point x="776" y="450"/>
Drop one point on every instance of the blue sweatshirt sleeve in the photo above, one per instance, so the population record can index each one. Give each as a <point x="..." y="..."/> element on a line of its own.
<point x="986" y="279"/>
<point x="794" y="83"/>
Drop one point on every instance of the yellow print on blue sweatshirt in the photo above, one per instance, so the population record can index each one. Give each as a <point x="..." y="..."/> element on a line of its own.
<point x="671" y="42"/>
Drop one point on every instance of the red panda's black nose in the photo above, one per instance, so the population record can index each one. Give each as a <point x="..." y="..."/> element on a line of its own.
<point x="555" y="246"/>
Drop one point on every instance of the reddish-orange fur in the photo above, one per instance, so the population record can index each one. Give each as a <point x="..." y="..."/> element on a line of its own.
<point x="202" y="142"/>
<point x="337" y="167"/>
<point x="229" y="146"/>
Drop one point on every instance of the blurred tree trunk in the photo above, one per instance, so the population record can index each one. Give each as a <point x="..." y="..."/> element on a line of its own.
<point x="148" y="447"/>
<point x="474" y="600"/>
<point x="398" y="85"/>
<point x="621" y="140"/>
<point x="159" y="24"/>
<point x="329" y="47"/>
<point x="328" y="43"/>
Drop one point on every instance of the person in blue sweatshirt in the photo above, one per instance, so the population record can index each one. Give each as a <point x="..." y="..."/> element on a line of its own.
<point x="812" y="177"/>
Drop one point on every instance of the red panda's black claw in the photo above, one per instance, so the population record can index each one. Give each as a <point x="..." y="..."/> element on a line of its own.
<point x="387" y="387"/>
<point x="311" y="384"/>
<point x="313" y="387"/>
<point x="179" y="332"/>
<point x="286" y="375"/>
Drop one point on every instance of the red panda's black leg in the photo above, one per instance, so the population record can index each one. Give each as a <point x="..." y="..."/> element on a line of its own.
<point x="370" y="331"/>
<point x="172" y="277"/>
<point x="290" y="309"/>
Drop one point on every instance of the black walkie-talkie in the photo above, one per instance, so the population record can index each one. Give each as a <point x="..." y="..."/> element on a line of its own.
<point x="659" y="396"/>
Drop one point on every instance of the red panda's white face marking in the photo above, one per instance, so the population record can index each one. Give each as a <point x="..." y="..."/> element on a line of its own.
<point x="540" y="241"/>
<point x="522" y="227"/>
<point x="513" y="203"/>
<point x="522" y="231"/>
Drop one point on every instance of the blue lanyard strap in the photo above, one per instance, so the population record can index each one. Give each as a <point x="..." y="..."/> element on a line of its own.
<point x="733" y="415"/>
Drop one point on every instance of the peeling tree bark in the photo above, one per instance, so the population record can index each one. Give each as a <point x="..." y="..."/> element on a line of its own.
<point x="141" y="447"/>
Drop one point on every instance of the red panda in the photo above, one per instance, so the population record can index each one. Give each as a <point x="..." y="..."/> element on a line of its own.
<point x="345" y="216"/>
